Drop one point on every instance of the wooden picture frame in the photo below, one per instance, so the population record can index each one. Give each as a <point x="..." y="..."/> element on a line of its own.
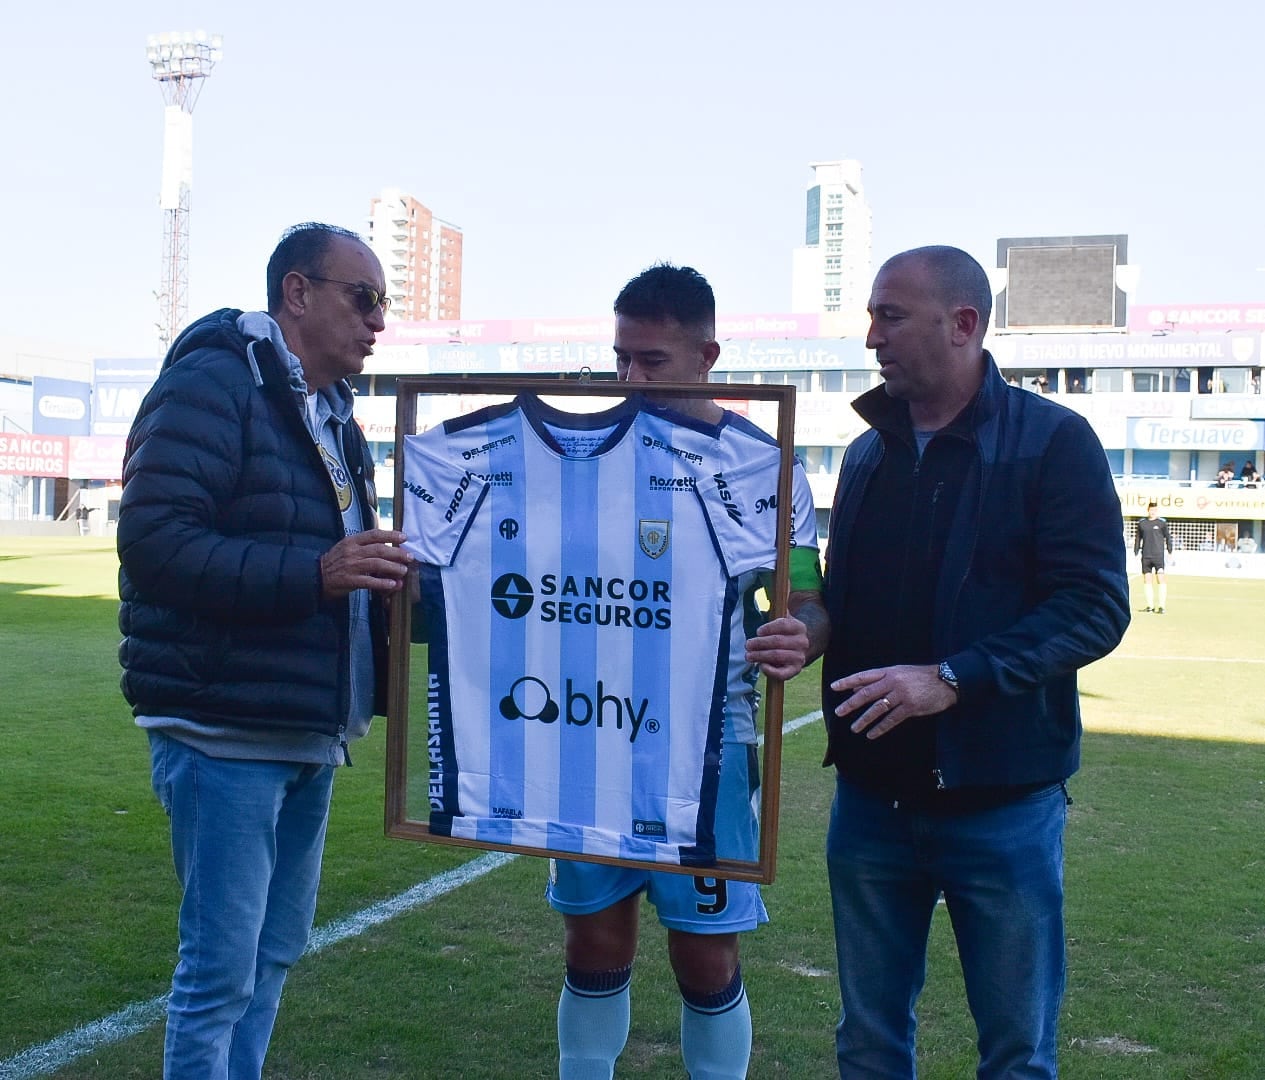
<point x="441" y="398"/>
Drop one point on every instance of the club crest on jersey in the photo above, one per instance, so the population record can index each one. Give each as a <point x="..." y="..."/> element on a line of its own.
<point x="653" y="537"/>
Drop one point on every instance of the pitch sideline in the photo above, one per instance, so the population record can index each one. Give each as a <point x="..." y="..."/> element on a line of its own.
<point x="132" y="1019"/>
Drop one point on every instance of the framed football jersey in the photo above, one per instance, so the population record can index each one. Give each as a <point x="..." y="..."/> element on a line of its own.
<point x="569" y="679"/>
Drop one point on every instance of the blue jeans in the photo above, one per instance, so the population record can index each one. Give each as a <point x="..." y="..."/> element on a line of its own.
<point x="247" y="838"/>
<point x="1001" y="874"/>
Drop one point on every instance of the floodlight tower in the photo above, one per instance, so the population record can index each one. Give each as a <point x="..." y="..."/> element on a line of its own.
<point x="181" y="61"/>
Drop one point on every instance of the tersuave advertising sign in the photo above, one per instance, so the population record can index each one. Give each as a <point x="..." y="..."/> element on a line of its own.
<point x="1229" y="436"/>
<point x="60" y="406"/>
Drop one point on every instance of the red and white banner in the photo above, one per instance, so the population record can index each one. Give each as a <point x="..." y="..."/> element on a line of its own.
<point x="1219" y="317"/>
<point x="34" y="455"/>
<point x="599" y="329"/>
<point x="96" y="457"/>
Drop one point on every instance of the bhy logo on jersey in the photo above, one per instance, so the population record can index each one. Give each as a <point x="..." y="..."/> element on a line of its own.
<point x="531" y="698"/>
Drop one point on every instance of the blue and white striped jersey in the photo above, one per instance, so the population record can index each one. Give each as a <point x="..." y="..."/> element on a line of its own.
<point x="583" y="587"/>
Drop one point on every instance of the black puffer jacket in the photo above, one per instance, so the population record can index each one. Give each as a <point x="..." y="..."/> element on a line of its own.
<point x="226" y="510"/>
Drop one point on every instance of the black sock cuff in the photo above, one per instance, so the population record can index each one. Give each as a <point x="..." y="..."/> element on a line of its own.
<point x="719" y="1002"/>
<point x="598" y="983"/>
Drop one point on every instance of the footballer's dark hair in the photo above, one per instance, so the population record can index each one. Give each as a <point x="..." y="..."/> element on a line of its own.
<point x="301" y="248"/>
<point x="960" y="280"/>
<point x="664" y="291"/>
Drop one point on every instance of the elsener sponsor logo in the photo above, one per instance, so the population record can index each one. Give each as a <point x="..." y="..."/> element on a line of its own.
<point x="487" y="448"/>
<point x="685" y="455"/>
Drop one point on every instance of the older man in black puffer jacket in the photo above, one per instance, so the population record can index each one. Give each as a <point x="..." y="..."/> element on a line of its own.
<point x="252" y="581"/>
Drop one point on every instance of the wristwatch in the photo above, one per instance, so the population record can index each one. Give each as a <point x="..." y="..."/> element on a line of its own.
<point x="946" y="675"/>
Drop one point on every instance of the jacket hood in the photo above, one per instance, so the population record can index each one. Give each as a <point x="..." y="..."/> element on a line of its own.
<point x="262" y="331"/>
<point x="265" y="340"/>
<point x="217" y="330"/>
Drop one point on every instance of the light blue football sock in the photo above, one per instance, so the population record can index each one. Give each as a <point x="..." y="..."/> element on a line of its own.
<point x="593" y="1016"/>
<point x="716" y="1032"/>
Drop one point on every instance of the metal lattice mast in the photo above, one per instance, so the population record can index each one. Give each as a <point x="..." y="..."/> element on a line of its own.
<point x="181" y="61"/>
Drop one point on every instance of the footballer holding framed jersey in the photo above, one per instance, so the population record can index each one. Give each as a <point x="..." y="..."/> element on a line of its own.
<point x="585" y="577"/>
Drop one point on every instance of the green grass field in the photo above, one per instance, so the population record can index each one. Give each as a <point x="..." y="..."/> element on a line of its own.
<point x="1164" y="880"/>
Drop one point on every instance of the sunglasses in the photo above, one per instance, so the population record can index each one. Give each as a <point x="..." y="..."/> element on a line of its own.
<point x="366" y="298"/>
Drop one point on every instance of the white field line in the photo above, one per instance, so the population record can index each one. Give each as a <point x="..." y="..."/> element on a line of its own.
<point x="132" y="1019"/>
<point x="1193" y="659"/>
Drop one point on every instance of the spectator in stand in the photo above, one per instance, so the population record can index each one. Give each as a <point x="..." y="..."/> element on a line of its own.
<point x="1225" y="474"/>
<point x="1249" y="475"/>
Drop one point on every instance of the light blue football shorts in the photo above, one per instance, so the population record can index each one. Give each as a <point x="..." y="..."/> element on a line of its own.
<point x="696" y="905"/>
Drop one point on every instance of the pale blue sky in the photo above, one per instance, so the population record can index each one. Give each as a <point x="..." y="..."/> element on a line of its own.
<point x="576" y="142"/>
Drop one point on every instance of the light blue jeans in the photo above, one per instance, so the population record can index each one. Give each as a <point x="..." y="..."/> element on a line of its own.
<point x="247" y="838"/>
<point x="1001" y="874"/>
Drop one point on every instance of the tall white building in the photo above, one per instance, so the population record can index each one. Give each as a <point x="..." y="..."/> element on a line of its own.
<point x="831" y="272"/>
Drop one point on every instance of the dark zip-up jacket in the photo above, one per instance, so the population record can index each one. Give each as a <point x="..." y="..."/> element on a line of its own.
<point x="1031" y="585"/>
<point x="227" y="507"/>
